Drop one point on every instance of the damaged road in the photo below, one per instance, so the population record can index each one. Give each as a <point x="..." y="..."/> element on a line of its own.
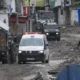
<point x="61" y="53"/>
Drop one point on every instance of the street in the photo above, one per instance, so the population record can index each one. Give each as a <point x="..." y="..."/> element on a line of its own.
<point x="39" y="39"/>
<point x="62" y="51"/>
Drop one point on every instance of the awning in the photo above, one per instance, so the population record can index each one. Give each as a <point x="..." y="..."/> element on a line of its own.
<point x="40" y="3"/>
<point x="21" y="19"/>
<point x="52" y="3"/>
<point x="55" y="3"/>
<point x="4" y="26"/>
<point x="37" y="3"/>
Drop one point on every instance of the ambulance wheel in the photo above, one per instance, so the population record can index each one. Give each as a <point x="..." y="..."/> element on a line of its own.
<point x="43" y="60"/>
<point x="47" y="61"/>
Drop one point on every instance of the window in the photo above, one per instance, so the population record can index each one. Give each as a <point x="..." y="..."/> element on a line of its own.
<point x="31" y="42"/>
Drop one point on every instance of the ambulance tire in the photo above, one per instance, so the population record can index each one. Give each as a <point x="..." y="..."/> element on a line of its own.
<point x="47" y="61"/>
<point x="43" y="60"/>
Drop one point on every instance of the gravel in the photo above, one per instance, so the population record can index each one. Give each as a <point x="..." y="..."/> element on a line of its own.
<point x="68" y="49"/>
<point x="62" y="50"/>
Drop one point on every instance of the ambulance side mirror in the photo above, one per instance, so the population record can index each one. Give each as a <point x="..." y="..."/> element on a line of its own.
<point x="45" y="46"/>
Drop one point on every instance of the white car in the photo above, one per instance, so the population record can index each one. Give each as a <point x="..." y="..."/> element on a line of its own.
<point x="33" y="47"/>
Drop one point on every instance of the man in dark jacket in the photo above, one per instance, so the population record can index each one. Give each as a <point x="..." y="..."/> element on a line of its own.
<point x="11" y="51"/>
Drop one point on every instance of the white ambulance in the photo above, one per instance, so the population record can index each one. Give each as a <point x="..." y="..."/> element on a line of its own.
<point x="33" y="47"/>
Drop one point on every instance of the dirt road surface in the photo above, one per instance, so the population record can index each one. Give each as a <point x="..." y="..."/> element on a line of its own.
<point x="60" y="52"/>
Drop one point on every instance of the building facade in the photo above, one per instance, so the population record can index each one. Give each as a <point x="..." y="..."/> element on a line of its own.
<point x="75" y="4"/>
<point x="58" y="8"/>
<point x="39" y="4"/>
<point x="18" y="21"/>
<point x="4" y="13"/>
<point x="62" y="11"/>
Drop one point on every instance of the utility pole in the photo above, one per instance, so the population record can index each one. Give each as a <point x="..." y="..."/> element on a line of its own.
<point x="31" y="17"/>
<point x="30" y="21"/>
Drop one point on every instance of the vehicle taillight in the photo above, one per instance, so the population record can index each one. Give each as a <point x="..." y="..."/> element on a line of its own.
<point x="2" y="53"/>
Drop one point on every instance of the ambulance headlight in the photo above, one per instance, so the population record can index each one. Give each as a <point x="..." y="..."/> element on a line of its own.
<point x="57" y="33"/>
<point x="20" y="51"/>
<point x="47" y="33"/>
<point x="40" y="51"/>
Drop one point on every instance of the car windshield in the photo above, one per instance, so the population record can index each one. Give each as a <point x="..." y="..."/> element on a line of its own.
<point x="51" y="26"/>
<point x="31" y="42"/>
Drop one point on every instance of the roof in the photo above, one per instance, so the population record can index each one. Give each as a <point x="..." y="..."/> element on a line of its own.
<point x="33" y="35"/>
<point x="4" y="26"/>
<point x="55" y="3"/>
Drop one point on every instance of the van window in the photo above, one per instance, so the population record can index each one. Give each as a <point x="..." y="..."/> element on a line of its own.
<point x="32" y="42"/>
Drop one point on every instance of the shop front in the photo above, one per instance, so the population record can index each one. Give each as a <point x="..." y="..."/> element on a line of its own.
<point x="18" y="25"/>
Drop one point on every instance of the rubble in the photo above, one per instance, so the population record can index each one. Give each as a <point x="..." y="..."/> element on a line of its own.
<point x="66" y="50"/>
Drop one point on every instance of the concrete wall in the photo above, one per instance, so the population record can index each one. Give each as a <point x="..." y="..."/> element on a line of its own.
<point x="74" y="16"/>
<point x="18" y="6"/>
<point x="21" y="29"/>
<point x="61" y="18"/>
<point x="4" y="18"/>
<point x="58" y="3"/>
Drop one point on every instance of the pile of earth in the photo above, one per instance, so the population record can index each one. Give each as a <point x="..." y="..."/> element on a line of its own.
<point x="72" y="29"/>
